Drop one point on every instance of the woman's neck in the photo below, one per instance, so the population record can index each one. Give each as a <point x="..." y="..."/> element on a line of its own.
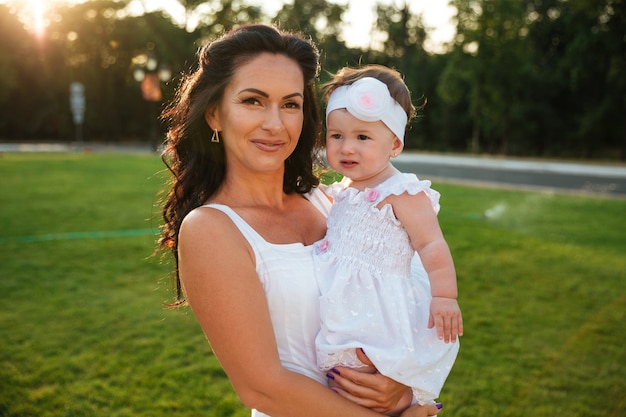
<point x="253" y="190"/>
<point x="278" y="217"/>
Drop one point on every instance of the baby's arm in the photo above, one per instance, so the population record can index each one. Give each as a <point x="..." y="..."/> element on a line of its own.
<point x="418" y="217"/>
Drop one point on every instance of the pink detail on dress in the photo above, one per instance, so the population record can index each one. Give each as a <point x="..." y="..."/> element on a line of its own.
<point x="322" y="247"/>
<point x="372" y="194"/>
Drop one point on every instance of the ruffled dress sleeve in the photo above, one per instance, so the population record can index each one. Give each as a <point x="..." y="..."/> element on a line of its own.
<point x="411" y="184"/>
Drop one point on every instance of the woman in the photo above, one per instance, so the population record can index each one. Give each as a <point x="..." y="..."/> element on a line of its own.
<point x="242" y="216"/>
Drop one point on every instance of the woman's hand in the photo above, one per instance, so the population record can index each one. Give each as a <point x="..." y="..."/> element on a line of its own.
<point x="371" y="389"/>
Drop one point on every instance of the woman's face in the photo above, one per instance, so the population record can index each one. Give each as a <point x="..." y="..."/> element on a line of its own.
<point x="260" y="116"/>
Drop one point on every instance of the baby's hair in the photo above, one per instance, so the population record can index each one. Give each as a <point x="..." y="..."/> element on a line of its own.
<point x="392" y="78"/>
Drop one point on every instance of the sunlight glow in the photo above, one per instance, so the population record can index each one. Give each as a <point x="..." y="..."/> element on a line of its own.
<point x="38" y="11"/>
<point x="357" y="25"/>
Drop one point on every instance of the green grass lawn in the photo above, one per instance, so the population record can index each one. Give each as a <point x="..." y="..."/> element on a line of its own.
<point x="83" y="330"/>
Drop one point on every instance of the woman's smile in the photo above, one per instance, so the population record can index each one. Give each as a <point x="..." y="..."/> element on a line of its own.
<point x="268" y="145"/>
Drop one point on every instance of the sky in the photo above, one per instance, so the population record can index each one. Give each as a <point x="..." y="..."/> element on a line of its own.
<point x="359" y="18"/>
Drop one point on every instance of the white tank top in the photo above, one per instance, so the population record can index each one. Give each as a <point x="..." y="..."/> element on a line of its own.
<point x="288" y="278"/>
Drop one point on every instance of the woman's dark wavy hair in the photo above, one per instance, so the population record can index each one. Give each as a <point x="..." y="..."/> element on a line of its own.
<point x="197" y="164"/>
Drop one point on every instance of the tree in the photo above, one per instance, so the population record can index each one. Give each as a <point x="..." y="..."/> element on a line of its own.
<point x="491" y="59"/>
<point x="97" y="47"/>
<point x="18" y="66"/>
<point x="540" y="76"/>
<point x="530" y="77"/>
<point x="591" y="39"/>
<point x="316" y="18"/>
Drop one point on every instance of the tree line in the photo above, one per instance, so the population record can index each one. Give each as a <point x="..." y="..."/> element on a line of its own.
<point x="540" y="78"/>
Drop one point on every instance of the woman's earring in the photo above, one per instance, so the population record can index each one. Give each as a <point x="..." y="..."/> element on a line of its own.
<point x="216" y="136"/>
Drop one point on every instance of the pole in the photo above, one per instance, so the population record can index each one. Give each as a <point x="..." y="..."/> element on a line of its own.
<point x="77" y="106"/>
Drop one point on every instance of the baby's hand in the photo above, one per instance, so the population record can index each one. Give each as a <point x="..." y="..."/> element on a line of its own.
<point x="445" y="315"/>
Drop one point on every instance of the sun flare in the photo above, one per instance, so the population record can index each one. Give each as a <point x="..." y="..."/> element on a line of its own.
<point x="38" y="13"/>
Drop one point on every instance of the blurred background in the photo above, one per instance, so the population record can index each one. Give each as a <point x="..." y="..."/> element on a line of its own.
<point x="542" y="275"/>
<point x="537" y="78"/>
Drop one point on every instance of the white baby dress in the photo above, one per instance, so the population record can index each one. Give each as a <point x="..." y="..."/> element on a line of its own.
<point x="370" y="296"/>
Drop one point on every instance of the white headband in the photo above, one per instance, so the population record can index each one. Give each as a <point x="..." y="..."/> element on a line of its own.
<point x="368" y="99"/>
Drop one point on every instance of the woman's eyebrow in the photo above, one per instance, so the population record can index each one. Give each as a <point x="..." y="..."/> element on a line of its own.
<point x="264" y="94"/>
<point x="254" y="90"/>
<point x="293" y="95"/>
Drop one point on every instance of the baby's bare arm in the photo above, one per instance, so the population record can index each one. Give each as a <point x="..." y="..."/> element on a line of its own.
<point x="416" y="214"/>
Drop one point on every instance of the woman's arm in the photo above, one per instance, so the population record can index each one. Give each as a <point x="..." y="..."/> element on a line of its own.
<point x="221" y="285"/>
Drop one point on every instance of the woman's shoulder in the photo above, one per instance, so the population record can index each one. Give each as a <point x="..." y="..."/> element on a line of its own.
<point x="207" y="231"/>
<point x="207" y="221"/>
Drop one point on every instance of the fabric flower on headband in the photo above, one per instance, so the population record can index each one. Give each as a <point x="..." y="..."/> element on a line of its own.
<point x="368" y="99"/>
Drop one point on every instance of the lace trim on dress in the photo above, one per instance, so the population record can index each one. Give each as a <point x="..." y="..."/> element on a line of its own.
<point x="422" y="397"/>
<point x="345" y="357"/>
